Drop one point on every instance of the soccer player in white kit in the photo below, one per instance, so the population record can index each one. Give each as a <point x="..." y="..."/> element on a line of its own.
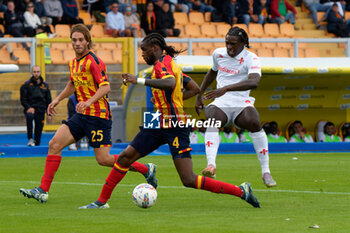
<point x="237" y="71"/>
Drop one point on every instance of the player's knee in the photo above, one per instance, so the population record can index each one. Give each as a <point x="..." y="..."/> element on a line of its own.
<point x="54" y="145"/>
<point x="255" y="126"/>
<point x="103" y="161"/>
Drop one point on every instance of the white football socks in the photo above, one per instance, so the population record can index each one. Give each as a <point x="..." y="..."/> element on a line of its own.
<point x="261" y="148"/>
<point x="212" y="142"/>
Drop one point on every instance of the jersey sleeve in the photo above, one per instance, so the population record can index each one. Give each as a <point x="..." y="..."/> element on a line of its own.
<point x="98" y="71"/>
<point x="215" y="66"/>
<point x="254" y="65"/>
<point x="163" y="68"/>
<point x="185" y="79"/>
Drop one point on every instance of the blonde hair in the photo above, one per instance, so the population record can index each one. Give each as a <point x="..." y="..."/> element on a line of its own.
<point x="84" y="30"/>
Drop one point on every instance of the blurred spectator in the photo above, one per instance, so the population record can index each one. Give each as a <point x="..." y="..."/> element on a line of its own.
<point x="3" y="7"/>
<point x="197" y="136"/>
<point x="123" y="4"/>
<point x="200" y="6"/>
<point x="39" y="9"/>
<point x="148" y="19"/>
<point x="32" y="20"/>
<point x="165" y="22"/>
<point x="228" y="136"/>
<point x="179" y="5"/>
<point x="315" y="6"/>
<point x="158" y="4"/>
<point x="250" y="12"/>
<point x="245" y="137"/>
<point x="115" y="23"/>
<point x="273" y="133"/>
<point x="35" y="98"/>
<point x="95" y="7"/>
<point x="132" y="23"/>
<point x="14" y="24"/>
<point x="336" y="23"/>
<point x="282" y="11"/>
<point x="70" y="12"/>
<point x="346" y="132"/>
<point x="329" y="133"/>
<point x="264" y="9"/>
<point x="20" y="6"/>
<point x="141" y="7"/>
<point x="299" y="134"/>
<point x="53" y="9"/>
<point x="230" y="11"/>
<point x="8" y="47"/>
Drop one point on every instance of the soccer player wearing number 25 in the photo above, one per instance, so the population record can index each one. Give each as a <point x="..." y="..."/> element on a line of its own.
<point x="237" y="71"/>
<point x="88" y="80"/>
<point x="167" y="85"/>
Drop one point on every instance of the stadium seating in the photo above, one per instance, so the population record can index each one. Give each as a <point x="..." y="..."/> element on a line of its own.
<point x="209" y="30"/>
<point x="192" y="30"/>
<point x="222" y="29"/>
<point x="201" y="52"/>
<point x="196" y="18"/>
<point x="269" y="45"/>
<point x="272" y="30"/>
<point x="56" y="57"/>
<point x="117" y="56"/>
<point x="105" y="55"/>
<point x="97" y="31"/>
<point x="58" y="46"/>
<point x="85" y="16"/>
<point x="256" y="30"/>
<point x="279" y="52"/>
<point x="23" y="56"/>
<point x="62" y="30"/>
<point x="181" y="18"/>
<point x="264" y="52"/>
<point x="287" y="30"/>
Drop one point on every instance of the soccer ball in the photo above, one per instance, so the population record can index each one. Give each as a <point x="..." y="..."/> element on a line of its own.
<point x="144" y="195"/>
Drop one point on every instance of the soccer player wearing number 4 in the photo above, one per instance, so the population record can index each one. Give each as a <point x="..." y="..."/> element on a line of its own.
<point x="166" y="83"/>
<point x="89" y="81"/>
<point x="237" y="71"/>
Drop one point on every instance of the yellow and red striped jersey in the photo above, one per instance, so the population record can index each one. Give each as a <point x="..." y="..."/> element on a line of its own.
<point x="169" y="102"/>
<point x="87" y="74"/>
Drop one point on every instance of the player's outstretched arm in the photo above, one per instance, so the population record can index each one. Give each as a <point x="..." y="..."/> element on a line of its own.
<point x="164" y="84"/>
<point x="191" y="89"/>
<point x="251" y="83"/>
<point x="67" y="91"/>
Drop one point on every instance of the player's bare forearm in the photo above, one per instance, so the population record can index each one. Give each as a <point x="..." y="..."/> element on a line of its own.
<point x="251" y="83"/>
<point x="101" y="92"/>
<point x="191" y="89"/>
<point x="163" y="84"/>
<point x="208" y="79"/>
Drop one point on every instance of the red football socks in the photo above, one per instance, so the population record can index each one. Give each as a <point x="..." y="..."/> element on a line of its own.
<point x="51" y="166"/>
<point x="217" y="186"/>
<point x="139" y="167"/>
<point x="115" y="176"/>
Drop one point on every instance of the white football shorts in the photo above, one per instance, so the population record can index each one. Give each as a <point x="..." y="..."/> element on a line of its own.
<point x="232" y="105"/>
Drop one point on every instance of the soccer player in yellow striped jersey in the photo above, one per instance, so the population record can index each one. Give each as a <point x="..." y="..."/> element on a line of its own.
<point x="166" y="83"/>
<point x="88" y="80"/>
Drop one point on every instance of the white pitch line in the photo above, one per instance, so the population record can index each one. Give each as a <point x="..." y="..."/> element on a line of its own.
<point x="179" y="187"/>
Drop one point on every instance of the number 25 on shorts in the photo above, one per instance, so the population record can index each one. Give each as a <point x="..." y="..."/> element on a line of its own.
<point x="176" y="142"/>
<point x="97" y="135"/>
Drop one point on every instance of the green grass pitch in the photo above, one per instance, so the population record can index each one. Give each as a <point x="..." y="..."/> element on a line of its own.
<point x="312" y="190"/>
